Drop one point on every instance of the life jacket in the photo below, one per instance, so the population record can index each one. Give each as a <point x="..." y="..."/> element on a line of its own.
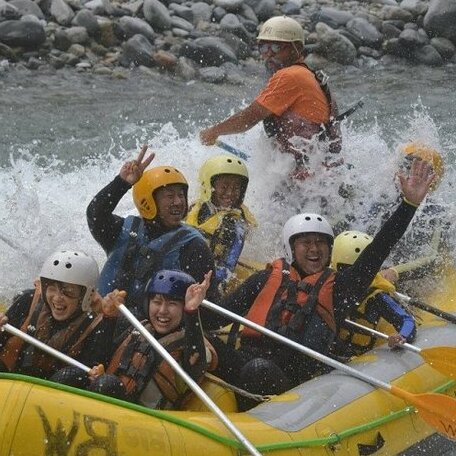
<point x="139" y="368"/>
<point x="134" y="257"/>
<point x="355" y="341"/>
<point x="225" y="232"/>
<point x="19" y="356"/>
<point x="301" y="309"/>
<point x="209" y="226"/>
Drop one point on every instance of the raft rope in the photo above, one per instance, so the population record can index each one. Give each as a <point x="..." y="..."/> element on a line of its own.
<point x="235" y="389"/>
<point x="333" y="439"/>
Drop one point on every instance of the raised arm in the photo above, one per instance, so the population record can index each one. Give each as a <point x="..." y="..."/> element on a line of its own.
<point x="351" y="283"/>
<point x="105" y="226"/>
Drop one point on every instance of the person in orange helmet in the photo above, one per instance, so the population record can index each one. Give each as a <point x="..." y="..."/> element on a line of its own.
<point x="138" y="246"/>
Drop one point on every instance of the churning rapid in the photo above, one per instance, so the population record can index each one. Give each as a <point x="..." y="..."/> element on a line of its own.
<point x="64" y="138"/>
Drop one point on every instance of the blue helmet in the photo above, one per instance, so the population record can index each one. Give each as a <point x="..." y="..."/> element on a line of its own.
<point x="170" y="283"/>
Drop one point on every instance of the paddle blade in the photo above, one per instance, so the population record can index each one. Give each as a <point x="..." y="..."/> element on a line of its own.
<point x="442" y="359"/>
<point x="437" y="410"/>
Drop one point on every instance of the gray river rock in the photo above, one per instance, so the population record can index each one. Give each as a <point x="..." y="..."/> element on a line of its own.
<point x="212" y="32"/>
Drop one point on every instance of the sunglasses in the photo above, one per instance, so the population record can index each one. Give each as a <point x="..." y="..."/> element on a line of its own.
<point x="273" y="47"/>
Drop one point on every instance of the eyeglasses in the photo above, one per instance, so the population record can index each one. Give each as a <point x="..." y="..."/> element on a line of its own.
<point x="273" y="47"/>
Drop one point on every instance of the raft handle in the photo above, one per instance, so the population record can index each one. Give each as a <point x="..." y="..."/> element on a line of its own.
<point x="366" y="449"/>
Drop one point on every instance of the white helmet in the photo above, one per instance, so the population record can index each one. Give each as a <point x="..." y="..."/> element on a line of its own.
<point x="304" y="223"/>
<point x="77" y="268"/>
<point x="348" y="247"/>
<point x="281" y="28"/>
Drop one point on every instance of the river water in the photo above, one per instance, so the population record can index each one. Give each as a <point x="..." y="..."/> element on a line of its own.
<point x="65" y="135"/>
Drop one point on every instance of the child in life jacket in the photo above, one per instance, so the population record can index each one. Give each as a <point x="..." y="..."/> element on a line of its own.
<point x="379" y="302"/>
<point x="220" y="214"/>
<point x="64" y="312"/>
<point x="172" y="299"/>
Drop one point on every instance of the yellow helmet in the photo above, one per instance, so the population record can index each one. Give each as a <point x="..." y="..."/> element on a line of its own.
<point x="281" y="28"/>
<point x="348" y="246"/>
<point x="151" y="180"/>
<point x="217" y="165"/>
<point x="428" y="154"/>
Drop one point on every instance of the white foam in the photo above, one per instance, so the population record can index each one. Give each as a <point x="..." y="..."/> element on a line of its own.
<point x="44" y="202"/>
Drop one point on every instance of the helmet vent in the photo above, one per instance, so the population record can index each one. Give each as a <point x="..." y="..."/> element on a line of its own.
<point x="172" y="279"/>
<point x="68" y="265"/>
<point x="167" y="170"/>
<point x="307" y="218"/>
<point x="229" y="160"/>
<point x="56" y="262"/>
<point x="357" y="250"/>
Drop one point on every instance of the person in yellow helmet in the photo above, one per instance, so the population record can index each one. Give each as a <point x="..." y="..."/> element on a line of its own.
<point x="296" y="102"/>
<point x="220" y="213"/>
<point x="301" y="298"/>
<point x="427" y="241"/>
<point x="378" y="303"/>
<point x="158" y="239"/>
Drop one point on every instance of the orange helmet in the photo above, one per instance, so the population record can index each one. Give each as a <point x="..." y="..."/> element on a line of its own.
<point x="151" y="180"/>
<point x="428" y="154"/>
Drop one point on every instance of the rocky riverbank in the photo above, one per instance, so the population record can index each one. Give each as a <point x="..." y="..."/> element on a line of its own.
<point x="214" y="40"/>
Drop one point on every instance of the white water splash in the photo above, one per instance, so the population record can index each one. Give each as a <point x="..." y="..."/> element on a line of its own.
<point x="43" y="205"/>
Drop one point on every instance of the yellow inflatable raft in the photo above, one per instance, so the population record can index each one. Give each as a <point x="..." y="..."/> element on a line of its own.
<point x="334" y="414"/>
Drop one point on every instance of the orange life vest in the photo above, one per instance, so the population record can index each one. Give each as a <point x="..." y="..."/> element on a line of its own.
<point x="287" y="301"/>
<point x="38" y="324"/>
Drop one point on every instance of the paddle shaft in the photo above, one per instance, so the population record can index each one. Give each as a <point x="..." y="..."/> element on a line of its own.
<point x="301" y="348"/>
<point x="189" y="381"/>
<point x="405" y="345"/>
<point x="423" y="306"/>
<point x="348" y="112"/>
<point x="37" y="343"/>
<point x="436" y="409"/>
<point x="233" y="150"/>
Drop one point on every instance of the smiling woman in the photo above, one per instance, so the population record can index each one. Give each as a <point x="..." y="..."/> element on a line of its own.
<point x="63" y="299"/>
<point x="58" y="313"/>
<point x="171" y="303"/>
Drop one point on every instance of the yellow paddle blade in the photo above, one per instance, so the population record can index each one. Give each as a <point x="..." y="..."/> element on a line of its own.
<point x="437" y="410"/>
<point x="442" y="359"/>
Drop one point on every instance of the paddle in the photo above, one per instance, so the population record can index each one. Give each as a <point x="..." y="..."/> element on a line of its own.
<point x="42" y="346"/>
<point x="428" y="308"/>
<point x="233" y="150"/>
<point x="189" y="381"/>
<point x="442" y="359"/>
<point x="437" y="410"/>
<point x="349" y="111"/>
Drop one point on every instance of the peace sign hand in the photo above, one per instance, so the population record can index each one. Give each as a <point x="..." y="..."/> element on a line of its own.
<point x="132" y="170"/>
